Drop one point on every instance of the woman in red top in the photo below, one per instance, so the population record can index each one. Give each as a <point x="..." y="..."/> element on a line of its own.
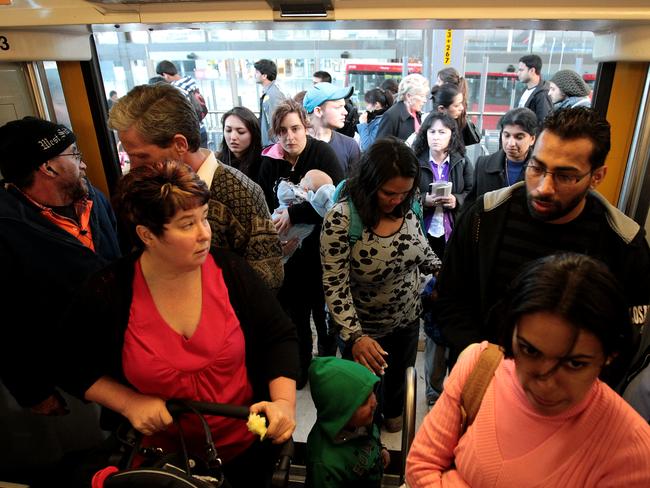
<point x="176" y="321"/>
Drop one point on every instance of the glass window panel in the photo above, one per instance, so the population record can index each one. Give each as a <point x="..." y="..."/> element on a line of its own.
<point x="298" y="35"/>
<point x="236" y="35"/>
<point x="106" y="38"/>
<point x="180" y="35"/>
<point x="409" y="34"/>
<point x="224" y="57"/>
<point x="140" y="37"/>
<point x="365" y="34"/>
<point x="56" y="92"/>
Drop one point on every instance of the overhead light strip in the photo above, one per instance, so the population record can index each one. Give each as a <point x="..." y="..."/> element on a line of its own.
<point x="310" y="15"/>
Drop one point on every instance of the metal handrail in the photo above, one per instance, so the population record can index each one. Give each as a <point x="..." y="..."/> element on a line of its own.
<point x="408" y="422"/>
<point x="485" y="113"/>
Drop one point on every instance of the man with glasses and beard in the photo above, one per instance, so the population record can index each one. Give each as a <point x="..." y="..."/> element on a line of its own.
<point x="55" y="230"/>
<point x="555" y="209"/>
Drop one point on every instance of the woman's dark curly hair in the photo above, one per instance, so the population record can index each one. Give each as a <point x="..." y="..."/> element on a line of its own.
<point x="384" y="160"/>
<point x="152" y="194"/>
<point x="421" y="144"/>
<point x="582" y="291"/>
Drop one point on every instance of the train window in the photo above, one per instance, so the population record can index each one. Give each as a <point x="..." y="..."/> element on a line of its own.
<point x="56" y="93"/>
<point x="298" y="35"/>
<point x="107" y="38"/>
<point x="138" y="37"/>
<point x="237" y="35"/>
<point x="363" y="34"/>
<point x="177" y="35"/>
<point x="221" y="59"/>
<point x="409" y="34"/>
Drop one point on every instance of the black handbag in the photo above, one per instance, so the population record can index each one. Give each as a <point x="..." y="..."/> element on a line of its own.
<point x="471" y="134"/>
<point x="178" y="470"/>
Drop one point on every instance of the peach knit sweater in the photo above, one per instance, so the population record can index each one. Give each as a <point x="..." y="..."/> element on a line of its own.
<point x="601" y="442"/>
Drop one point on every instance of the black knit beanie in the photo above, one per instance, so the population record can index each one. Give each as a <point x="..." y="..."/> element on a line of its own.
<point x="27" y="143"/>
<point x="571" y="83"/>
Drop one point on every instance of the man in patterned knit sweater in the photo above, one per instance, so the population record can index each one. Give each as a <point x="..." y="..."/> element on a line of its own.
<point x="157" y="123"/>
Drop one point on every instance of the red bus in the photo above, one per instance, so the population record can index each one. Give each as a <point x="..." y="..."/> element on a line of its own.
<point x="502" y="91"/>
<point x="367" y="76"/>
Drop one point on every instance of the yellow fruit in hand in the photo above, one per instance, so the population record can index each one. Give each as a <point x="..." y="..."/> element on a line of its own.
<point x="257" y="425"/>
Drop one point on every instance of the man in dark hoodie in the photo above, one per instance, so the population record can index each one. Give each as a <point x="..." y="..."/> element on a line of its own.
<point x="344" y="447"/>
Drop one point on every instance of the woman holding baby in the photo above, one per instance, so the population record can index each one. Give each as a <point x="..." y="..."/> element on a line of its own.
<point x="291" y="158"/>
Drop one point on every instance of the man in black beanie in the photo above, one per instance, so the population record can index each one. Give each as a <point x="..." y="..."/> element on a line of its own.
<point x="55" y="230"/>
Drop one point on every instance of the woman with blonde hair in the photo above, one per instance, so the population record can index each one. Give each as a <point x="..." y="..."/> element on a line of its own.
<point x="405" y="116"/>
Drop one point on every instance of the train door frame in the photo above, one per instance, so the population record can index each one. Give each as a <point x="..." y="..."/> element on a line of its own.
<point x="634" y="198"/>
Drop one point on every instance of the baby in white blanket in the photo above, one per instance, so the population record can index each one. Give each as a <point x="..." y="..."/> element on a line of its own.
<point x="316" y="188"/>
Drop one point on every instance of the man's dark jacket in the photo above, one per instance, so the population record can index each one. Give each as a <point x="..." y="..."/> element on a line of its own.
<point x="466" y="287"/>
<point x="490" y="174"/>
<point x="539" y="102"/>
<point x="42" y="267"/>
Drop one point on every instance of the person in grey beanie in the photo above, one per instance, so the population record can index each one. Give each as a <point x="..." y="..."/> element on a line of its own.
<point x="568" y="89"/>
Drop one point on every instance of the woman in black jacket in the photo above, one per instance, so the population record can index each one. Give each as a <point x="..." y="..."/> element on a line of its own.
<point x="241" y="146"/>
<point x="404" y="117"/>
<point x="442" y="160"/>
<point x="506" y="166"/>
<point x="290" y="158"/>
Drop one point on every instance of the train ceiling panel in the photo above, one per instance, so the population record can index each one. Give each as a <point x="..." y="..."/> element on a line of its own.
<point x="595" y="15"/>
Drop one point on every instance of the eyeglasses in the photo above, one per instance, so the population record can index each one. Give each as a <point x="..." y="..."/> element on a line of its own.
<point x="560" y="178"/>
<point x="76" y="155"/>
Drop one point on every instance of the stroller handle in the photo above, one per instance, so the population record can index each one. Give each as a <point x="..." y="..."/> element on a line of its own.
<point x="178" y="407"/>
<point x="280" y="477"/>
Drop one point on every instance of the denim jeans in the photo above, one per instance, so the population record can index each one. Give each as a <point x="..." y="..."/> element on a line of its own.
<point x="435" y="368"/>
<point x="401" y="346"/>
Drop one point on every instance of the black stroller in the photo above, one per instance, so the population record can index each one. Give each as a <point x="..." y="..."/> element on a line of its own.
<point x="178" y="469"/>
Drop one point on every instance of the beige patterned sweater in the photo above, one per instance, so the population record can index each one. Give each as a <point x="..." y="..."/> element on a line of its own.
<point x="241" y="222"/>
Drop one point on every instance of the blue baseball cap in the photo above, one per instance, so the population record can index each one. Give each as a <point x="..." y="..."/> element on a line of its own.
<point x="322" y="92"/>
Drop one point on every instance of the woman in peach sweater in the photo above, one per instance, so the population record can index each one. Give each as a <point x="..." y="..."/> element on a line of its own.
<point x="546" y="419"/>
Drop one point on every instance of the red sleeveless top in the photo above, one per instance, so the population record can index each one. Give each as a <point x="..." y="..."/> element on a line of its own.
<point x="210" y="366"/>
